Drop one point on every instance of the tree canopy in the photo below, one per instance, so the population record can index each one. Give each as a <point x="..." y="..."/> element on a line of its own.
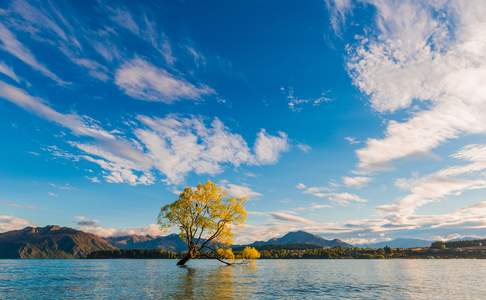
<point x="205" y="217"/>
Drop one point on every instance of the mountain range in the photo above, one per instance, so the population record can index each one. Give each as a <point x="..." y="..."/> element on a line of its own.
<point x="63" y="242"/>
<point x="299" y="239"/>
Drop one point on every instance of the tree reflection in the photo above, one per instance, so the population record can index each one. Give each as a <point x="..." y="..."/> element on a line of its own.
<point x="216" y="283"/>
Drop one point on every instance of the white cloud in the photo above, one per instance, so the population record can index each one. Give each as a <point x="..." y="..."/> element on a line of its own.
<point x="142" y="80"/>
<point x="357" y="181"/>
<point x="415" y="56"/>
<point x="268" y="148"/>
<point x="179" y="145"/>
<point x="313" y="206"/>
<point x="344" y="198"/>
<point x="92" y="226"/>
<point x="450" y="181"/>
<point x="331" y="195"/>
<point x="10" y="44"/>
<point x="8" y="223"/>
<point x="174" y="146"/>
<point x="240" y="191"/>
<point x="289" y="217"/>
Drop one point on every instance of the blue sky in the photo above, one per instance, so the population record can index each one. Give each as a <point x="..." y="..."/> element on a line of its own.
<point x="362" y="120"/>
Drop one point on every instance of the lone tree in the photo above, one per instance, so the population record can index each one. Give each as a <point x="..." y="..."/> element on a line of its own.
<point x="205" y="217"/>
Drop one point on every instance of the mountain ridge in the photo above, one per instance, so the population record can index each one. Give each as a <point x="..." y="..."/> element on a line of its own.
<point x="171" y="242"/>
<point x="51" y="241"/>
<point x="301" y="238"/>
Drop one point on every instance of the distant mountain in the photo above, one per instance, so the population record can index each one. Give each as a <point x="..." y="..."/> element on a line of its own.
<point x="398" y="243"/>
<point x="300" y="239"/>
<point x="50" y="242"/>
<point x="170" y="242"/>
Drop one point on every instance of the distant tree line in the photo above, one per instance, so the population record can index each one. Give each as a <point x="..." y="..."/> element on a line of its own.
<point x="326" y="253"/>
<point x="134" y="253"/>
<point x="227" y="253"/>
<point x="441" y="250"/>
<point x="458" y="244"/>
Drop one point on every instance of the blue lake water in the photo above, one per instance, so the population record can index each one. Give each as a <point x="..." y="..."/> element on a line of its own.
<point x="265" y="279"/>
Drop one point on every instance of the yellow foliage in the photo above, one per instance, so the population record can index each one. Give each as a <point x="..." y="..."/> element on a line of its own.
<point x="226" y="253"/>
<point x="250" y="253"/>
<point x="204" y="215"/>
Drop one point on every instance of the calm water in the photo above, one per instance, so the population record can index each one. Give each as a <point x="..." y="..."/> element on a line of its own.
<point x="267" y="279"/>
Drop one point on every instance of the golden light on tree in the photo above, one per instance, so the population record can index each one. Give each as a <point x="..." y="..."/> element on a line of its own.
<point x="205" y="217"/>
<point x="250" y="253"/>
<point x="226" y="253"/>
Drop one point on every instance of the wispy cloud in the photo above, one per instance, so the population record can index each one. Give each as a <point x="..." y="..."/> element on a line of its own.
<point x="313" y="206"/>
<point x="10" y="44"/>
<point x="356" y="181"/>
<point x="289" y="217"/>
<point x="78" y="124"/>
<point x="338" y="10"/>
<point x="239" y="191"/>
<point x="351" y="140"/>
<point x="144" y="81"/>
<point x="93" y="226"/>
<point x="436" y="186"/>
<point x="8" y="223"/>
<point x="331" y="194"/>
<point x="304" y="148"/>
<point x="9" y="72"/>
<point x="16" y="204"/>
<point x="124" y="19"/>
<point x="296" y="103"/>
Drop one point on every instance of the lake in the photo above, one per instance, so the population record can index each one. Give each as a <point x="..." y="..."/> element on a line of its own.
<point x="265" y="279"/>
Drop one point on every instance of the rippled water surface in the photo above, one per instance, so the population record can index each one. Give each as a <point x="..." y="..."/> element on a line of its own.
<point x="266" y="279"/>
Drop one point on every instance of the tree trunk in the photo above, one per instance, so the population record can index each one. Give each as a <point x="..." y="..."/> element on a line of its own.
<point x="184" y="260"/>
<point x="190" y="254"/>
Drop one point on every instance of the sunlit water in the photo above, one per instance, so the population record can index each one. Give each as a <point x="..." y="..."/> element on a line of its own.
<point x="266" y="279"/>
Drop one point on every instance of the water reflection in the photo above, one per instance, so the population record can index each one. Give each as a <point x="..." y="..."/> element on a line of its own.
<point x="185" y="280"/>
<point x="216" y="282"/>
<point x="265" y="279"/>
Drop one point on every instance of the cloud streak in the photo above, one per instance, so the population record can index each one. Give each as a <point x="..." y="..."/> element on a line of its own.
<point x="9" y="43"/>
<point x="142" y="80"/>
